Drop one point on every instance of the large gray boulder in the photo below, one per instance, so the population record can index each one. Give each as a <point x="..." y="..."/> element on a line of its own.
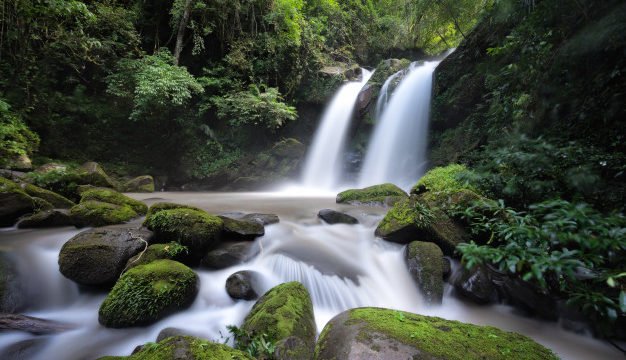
<point x="243" y="285"/>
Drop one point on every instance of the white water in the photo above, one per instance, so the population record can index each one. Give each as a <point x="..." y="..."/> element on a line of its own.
<point x="342" y="266"/>
<point x="383" y="96"/>
<point x="397" y="149"/>
<point x="322" y="168"/>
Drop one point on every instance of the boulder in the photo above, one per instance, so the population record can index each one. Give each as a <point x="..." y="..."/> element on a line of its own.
<point x="98" y="256"/>
<point x="33" y="325"/>
<point x="241" y="229"/>
<point x="148" y="293"/>
<point x="292" y="348"/>
<point x="160" y="206"/>
<point x="170" y="251"/>
<point x="171" y="331"/>
<point x="21" y="163"/>
<point x="475" y="285"/>
<point x="230" y="254"/>
<point x="195" y="229"/>
<point x="284" y="311"/>
<point x="243" y="285"/>
<point x="374" y="333"/>
<point x="12" y="292"/>
<point x="113" y="197"/>
<point x="41" y="205"/>
<point x="143" y="184"/>
<point x="97" y="213"/>
<point x="335" y="217"/>
<point x="265" y="219"/>
<point x="14" y="202"/>
<point x="184" y="348"/>
<point x="378" y="194"/>
<point x="46" y="218"/>
<point x="12" y="174"/>
<point x="365" y="98"/>
<point x="425" y="263"/>
<point x="95" y="175"/>
<point x="447" y="268"/>
<point x="58" y="201"/>
<point x="48" y="167"/>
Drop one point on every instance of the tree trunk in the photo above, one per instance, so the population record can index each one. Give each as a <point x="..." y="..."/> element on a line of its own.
<point x="182" y="25"/>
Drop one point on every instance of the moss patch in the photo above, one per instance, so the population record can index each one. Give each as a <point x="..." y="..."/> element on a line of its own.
<point x="58" y="201"/>
<point x="147" y="293"/>
<point x="442" y="181"/>
<point x="373" y="194"/>
<point x="160" y="206"/>
<point x="13" y="202"/>
<point x="170" y="251"/>
<point x="113" y="197"/>
<point x="96" y="213"/>
<point x="425" y="263"/>
<point x="143" y="183"/>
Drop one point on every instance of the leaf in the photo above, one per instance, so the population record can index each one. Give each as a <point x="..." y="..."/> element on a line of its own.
<point x="622" y="301"/>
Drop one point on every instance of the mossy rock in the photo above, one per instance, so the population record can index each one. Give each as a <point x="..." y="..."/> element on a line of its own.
<point x="170" y="251"/>
<point x="47" y="218"/>
<point x="97" y="213"/>
<point x="143" y="184"/>
<point x="425" y="263"/>
<point x="442" y="181"/>
<point x="113" y="197"/>
<point x="386" y="68"/>
<point x="235" y="229"/>
<point x="374" y="333"/>
<point x="192" y="228"/>
<point x="94" y="174"/>
<point x="148" y="293"/>
<point x="160" y="206"/>
<point x="284" y="311"/>
<point x="57" y="200"/>
<point x="184" y="348"/>
<point x="377" y="194"/>
<point x="41" y="205"/>
<point x="14" y="202"/>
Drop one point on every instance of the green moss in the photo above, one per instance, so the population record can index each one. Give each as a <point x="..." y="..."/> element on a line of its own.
<point x="7" y="185"/>
<point x="286" y="310"/>
<point x="442" y="181"/>
<point x="386" y="68"/>
<point x="149" y="292"/>
<point x="113" y="197"/>
<point x="96" y="213"/>
<point x="41" y="204"/>
<point x="406" y="212"/>
<point x="58" y="201"/>
<point x="143" y="183"/>
<point x="170" y="251"/>
<point x="156" y="207"/>
<point x="372" y="194"/>
<point x="446" y="339"/>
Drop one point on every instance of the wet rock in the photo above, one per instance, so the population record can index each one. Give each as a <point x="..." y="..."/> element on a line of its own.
<point x="58" y="201"/>
<point x="14" y="202"/>
<point x="241" y="229"/>
<point x="31" y="324"/>
<point x="171" y="331"/>
<point x="374" y="333"/>
<point x="377" y="194"/>
<point x="143" y="184"/>
<point x="292" y="348"/>
<point x="41" y="205"/>
<point x="243" y="285"/>
<point x="265" y="219"/>
<point x="184" y="348"/>
<point x="447" y="268"/>
<point x="170" y="251"/>
<point x="12" y="174"/>
<point x="12" y="291"/>
<point x="20" y="162"/>
<point x="365" y="98"/>
<point x="25" y="349"/>
<point x="335" y="217"/>
<point x="148" y="293"/>
<point x="425" y="263"/>
<point x="475" y="284"/>
<point x="48" y="167"/>
<point x="113" y="197"/>
<point x="48" y="218"/>
<point x="97" y="176"/>
<point x="98" y="213"/>
<point x="230" y="254"/>
<point x="98" y="256"/>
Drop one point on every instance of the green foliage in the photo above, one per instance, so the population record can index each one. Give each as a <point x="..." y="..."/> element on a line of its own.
<point x="15" y="137"/>
<point x="64" y="181"/>
<point x="257" y="346"/>
<point x="566" y="248"/>
<point x="443" y="181"/>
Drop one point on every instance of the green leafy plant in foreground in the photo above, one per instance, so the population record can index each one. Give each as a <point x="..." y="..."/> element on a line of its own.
<point x="256" y="346"/>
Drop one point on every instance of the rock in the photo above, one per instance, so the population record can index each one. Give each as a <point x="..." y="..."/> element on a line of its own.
<point x="41" y="205"/>
<point x="148" y="293"/>
<point x="243" y="285"/>
<point x="97" y="213"/>
<point x="46" y="168"/>
<point x="12" y="291"/>
<point x="425" y="263"/>
<point x="171" y="331"/>
<point x="284" y="311"/>
<point x="143" y="184"/>
<point x="447" y="268"/>
<point x="21" y="162"/>
<point x="98" y="256"/>
<point x="364" y="98"/>
<point x="292" y="348"/>
<point x="377" y="194"/>
<point x="58" y="201"/>
<point x="113" y="197"/>
<point x="47" y="218"/>
<point x="230" y="254"/>
<point x="288" y="148"/>
<point x="265" y="219"/>
<point x="13" y="202"/>
<point x="97" y="176"/>
<point x="31" y="324"/>
<point x="195" y="229"/>
<point x="374" y="333"/>
<point x="184" y="348"/>
<point x="170" y="251"/>
<point x="475" y="285"/>
<point x="241" y="229"/>
<point x="335" y="217"/>
<point x="24" y="349"/>
<point x="12" y="174"/>
<point x="160" y="206"/>
<point x="345" y="71"/>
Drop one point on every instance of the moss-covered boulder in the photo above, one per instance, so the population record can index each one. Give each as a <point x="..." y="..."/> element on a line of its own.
<point x="265" y="219"/>
<point x="98" y="256"/>
<point x="94" y="174"/>
<point x="284" y="311"/>
<point x="235" y="229"/>
<point x="378" y="194"/>
<point x="184" y="348"/>
<point x="425" y="263"/>
<point x="14" y="202"/>
<point x="97" y="213"/>
<point x="147" y="293"/>
<point x="335" y="217"/>
<point x="47" y="218"/>
<point x="230" y="254"/>
<point x="169" y="251"/>
<point x="195" y="229"/>
<point x="374" y="333"/>
<point x="160" y="206"/>
<point x="113" y="197"/>
<point x="143" y="184"/>
<point x="41" y="205"/>
<point x="57" y="200"/>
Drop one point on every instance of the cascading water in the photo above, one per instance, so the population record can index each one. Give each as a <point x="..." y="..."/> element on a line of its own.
<point x="397" y="150"/>
<point x="322" y="168"/>
<point x="383" y="96"/>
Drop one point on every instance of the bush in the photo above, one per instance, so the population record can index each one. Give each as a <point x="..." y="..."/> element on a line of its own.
<point x="15" y="137"/>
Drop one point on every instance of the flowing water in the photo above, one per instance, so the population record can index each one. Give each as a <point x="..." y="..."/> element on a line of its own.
<point x="383" y="96"/>
<point x="342" y="266"/>
<point x="397" y="150"/>
<point x="322" y="168"/>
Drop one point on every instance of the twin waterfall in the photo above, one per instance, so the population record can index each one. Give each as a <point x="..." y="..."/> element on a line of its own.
<point x="396" y="152"/>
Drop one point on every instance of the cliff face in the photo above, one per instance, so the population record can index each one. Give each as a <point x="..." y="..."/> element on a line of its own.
<point x="554" y="70"/>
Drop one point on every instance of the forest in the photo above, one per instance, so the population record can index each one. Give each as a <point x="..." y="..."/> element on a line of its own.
<point x="146" y="145"/>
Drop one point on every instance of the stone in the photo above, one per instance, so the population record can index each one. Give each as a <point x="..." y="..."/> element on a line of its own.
<point x="265" y="219"/>
<point x="47" y="218"/>
<point x="58" y="201"/>
<point x="373" y="195"/>
<point x="335" y="217"/>
<point x="97" y="213"/>
<point x="169" y="251"/>
<point x="97" y="176"/>
<point x="241" y="229"/>
<point x="475" y="285"/>
<point x="184" y="348"/>
<point x="424" y="261"/>
<point x="143" y="184"/>
<point x="21" y="163"/>
<point x="243" y="285"/>
<point x="13" y="297"/>
<point x="230" y="254"/>
<point x="14" y="202"/>
<point x="113" y="197"/>
<point x="33" y="325"/>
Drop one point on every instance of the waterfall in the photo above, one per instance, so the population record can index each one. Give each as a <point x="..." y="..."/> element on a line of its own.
<point x="383" y="96"/>
<point x="322" y="169"/>
<point x="397" y="150"/>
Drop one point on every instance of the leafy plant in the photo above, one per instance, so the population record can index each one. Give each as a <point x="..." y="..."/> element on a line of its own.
<point x="15" y="137"/>
<point x="255" y="345"/>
